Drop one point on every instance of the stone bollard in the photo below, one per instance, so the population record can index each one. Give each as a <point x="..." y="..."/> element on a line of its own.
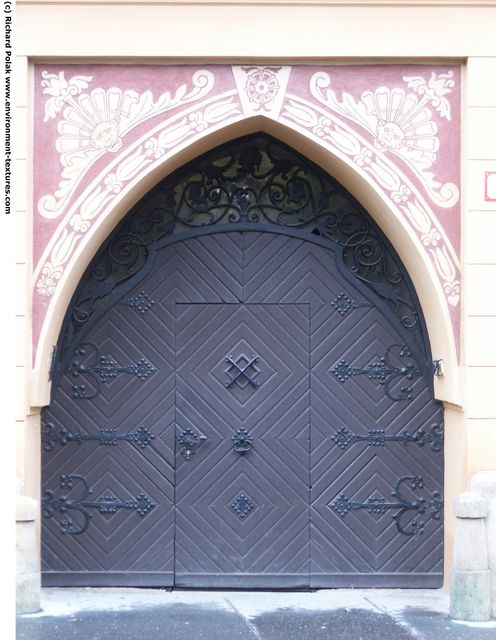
<point x="28" y="570"/>
<point x="469" y="598"/>
<point x="484" y="483"/>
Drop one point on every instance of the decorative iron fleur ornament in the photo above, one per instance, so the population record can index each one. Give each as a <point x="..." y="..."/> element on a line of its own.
<point x="262" y="86"/>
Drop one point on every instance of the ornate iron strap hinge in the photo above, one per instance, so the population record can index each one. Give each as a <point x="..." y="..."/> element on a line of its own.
<point x="141" y="437"/>
<point x="384" y="371"/>
<point x="105" y="504"/>
<point x="378" y="438"/>
<point x="102" y="369"/>
<point x="426" y="509"/>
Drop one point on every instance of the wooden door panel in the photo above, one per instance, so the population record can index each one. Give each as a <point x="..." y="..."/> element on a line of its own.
<point x="367" y="443"/>
<point x="242" y="519"/>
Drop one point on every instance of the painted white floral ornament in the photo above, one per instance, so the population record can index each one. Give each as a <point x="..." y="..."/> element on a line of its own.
<point x="93" y="122"/>
<point x="262" y="85"/>
<point x="400" y="122"/>
<point x="60" y="90"/>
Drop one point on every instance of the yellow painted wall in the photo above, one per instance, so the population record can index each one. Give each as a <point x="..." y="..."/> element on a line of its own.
<point x="479" y="225"/>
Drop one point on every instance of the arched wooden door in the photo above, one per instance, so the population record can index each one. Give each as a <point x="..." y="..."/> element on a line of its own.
<point x="243" y="393"/>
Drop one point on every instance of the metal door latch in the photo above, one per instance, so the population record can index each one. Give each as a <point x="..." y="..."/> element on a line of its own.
<point x="189" y="441"/>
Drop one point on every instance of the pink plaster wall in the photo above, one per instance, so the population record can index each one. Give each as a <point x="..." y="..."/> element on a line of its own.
<point x="99" y="128"/>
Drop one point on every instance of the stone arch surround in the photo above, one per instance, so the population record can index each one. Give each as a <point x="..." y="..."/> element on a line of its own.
<point x="115" y="176"/>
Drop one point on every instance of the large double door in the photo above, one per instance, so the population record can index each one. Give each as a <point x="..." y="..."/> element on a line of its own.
<point x="245" y="417"/>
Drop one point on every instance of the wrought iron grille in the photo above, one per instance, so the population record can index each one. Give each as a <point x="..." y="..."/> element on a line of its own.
<point x="254" y="183"/>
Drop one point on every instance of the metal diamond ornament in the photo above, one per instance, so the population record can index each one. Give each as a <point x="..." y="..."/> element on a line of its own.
<point x="242" y="506"/>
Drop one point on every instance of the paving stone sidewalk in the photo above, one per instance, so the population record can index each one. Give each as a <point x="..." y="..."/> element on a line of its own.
<point x="152" y="614"/>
